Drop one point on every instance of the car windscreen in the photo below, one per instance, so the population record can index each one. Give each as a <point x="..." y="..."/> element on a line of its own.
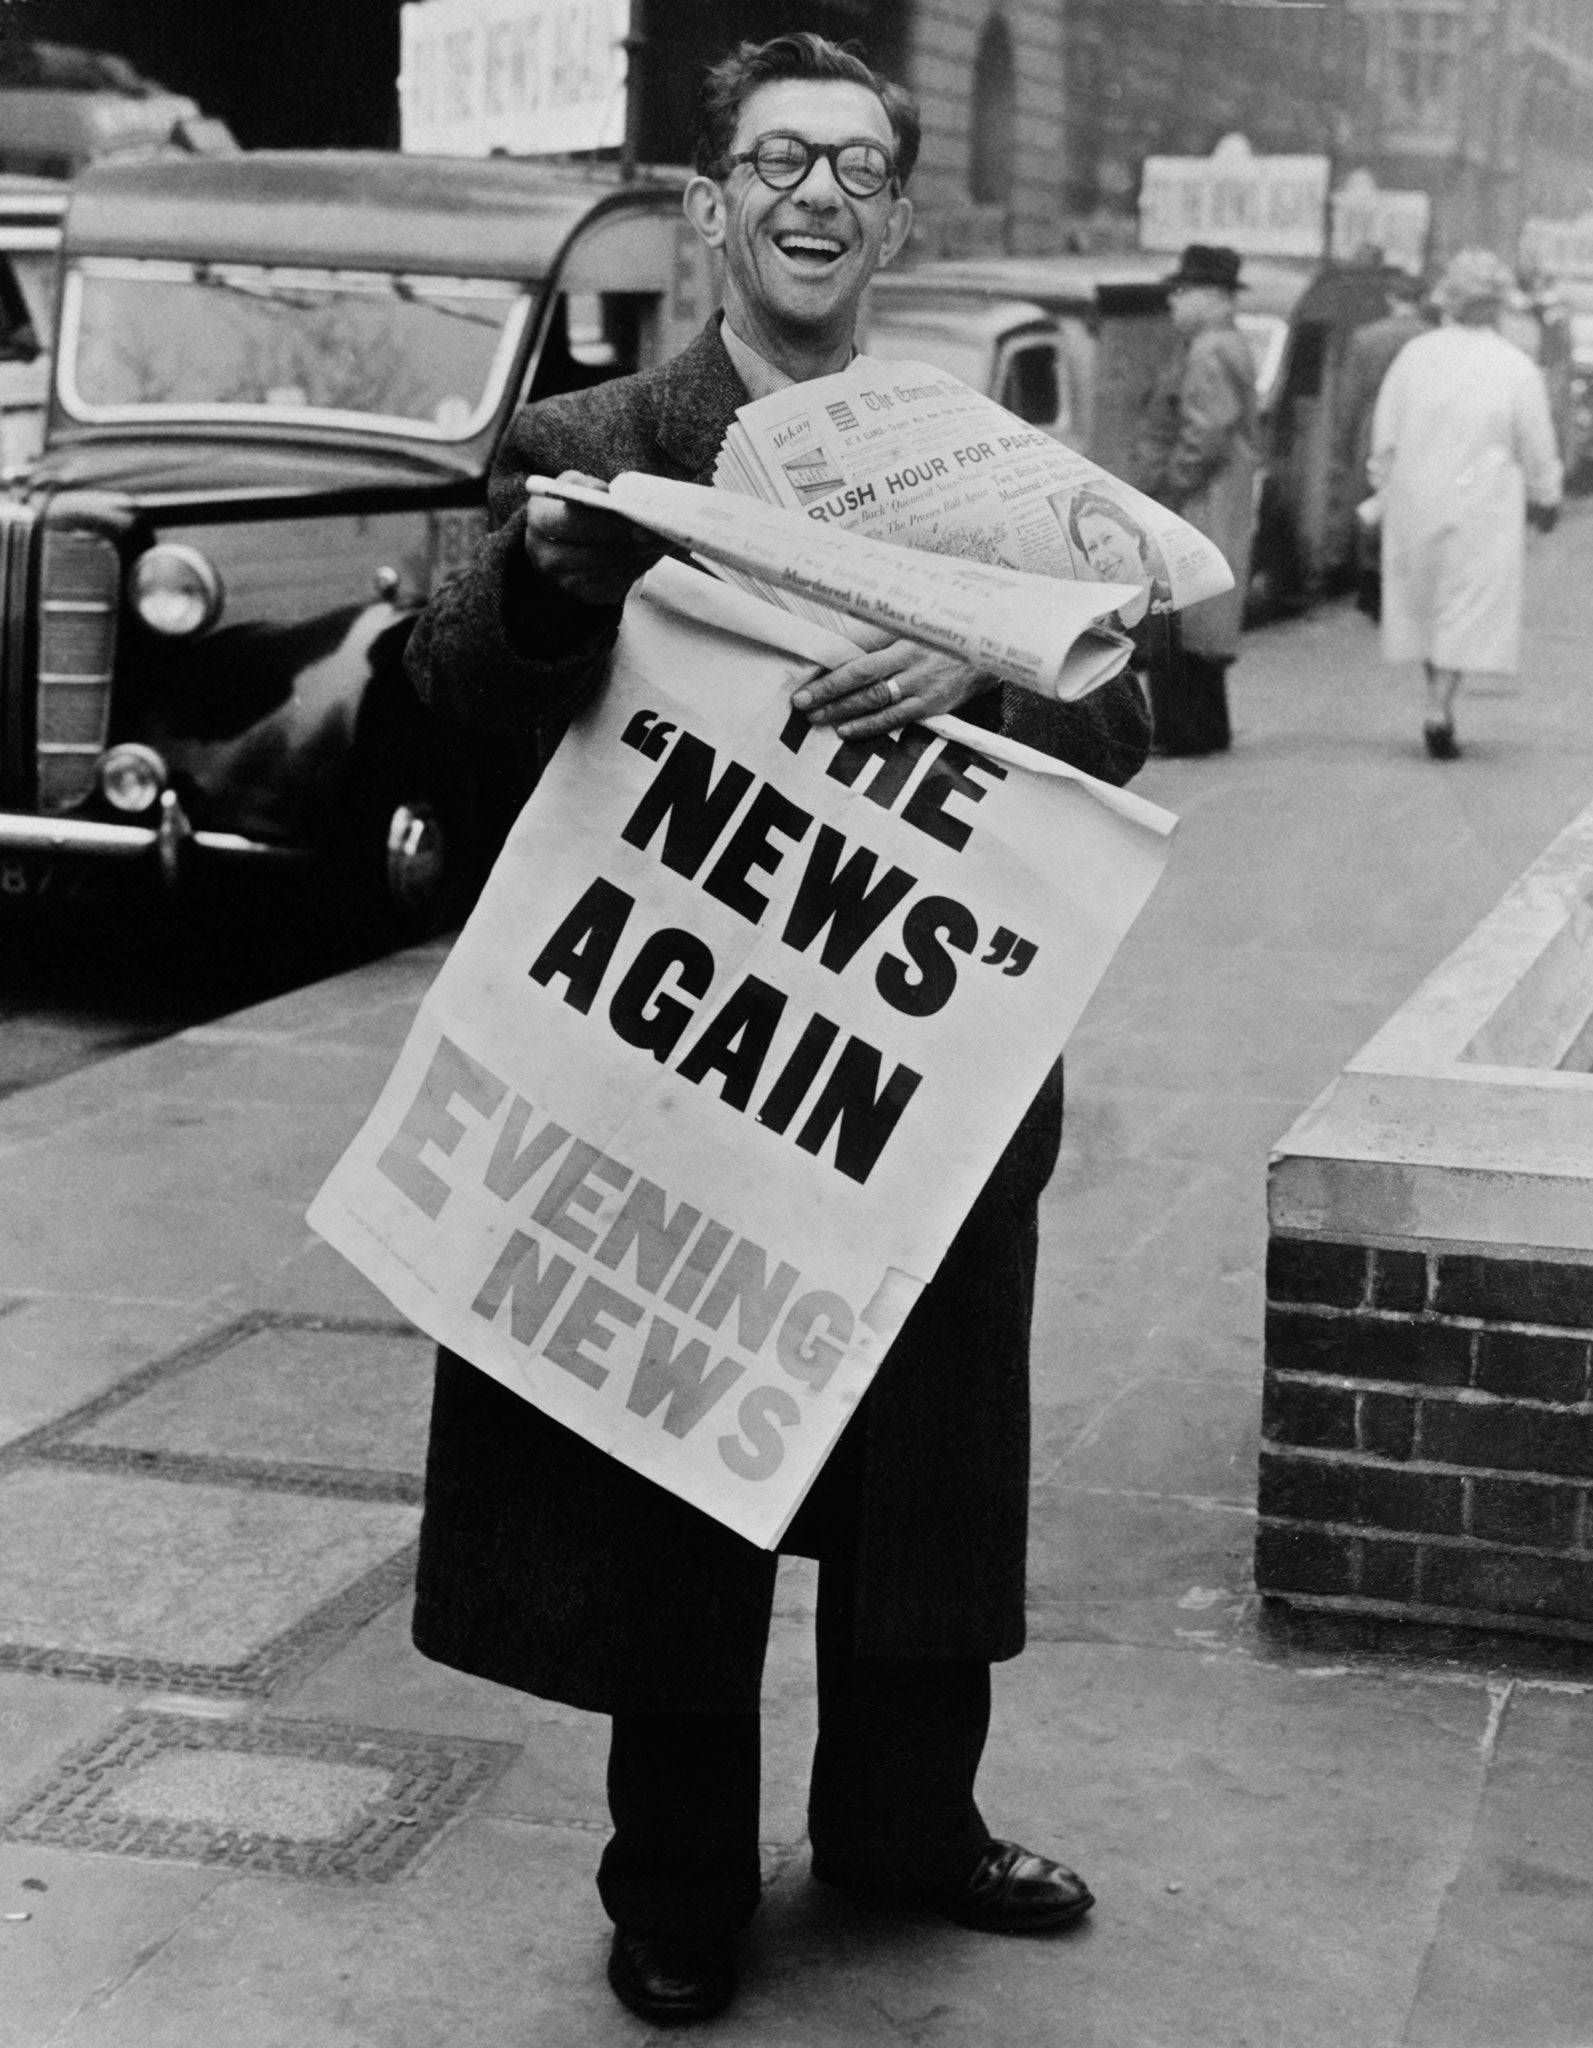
<point x="378" y="350"/>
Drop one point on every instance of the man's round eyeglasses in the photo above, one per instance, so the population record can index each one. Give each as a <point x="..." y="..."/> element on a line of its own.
<point x="862" y="169"/>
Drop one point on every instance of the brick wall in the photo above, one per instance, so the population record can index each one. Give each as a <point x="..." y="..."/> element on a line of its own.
<point x="943" y="44"/>
<point x="1428" y="1435"/>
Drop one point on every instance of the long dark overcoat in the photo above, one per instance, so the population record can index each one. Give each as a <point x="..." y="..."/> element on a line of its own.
<point x="1197" y="452"/>
<point x="545" y="1564"/>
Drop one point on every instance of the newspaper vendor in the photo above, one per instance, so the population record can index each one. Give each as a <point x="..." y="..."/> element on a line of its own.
<point x="546" y="1565"/>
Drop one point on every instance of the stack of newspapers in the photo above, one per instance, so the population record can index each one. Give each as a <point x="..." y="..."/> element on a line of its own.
<point x="842" y="499"/>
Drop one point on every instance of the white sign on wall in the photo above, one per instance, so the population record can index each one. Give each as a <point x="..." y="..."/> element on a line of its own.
<point x="1564" y="248"/>
<point x="524" y="77"/>
<point x="1259" y="205"/>
<point x="1365" y="217"/>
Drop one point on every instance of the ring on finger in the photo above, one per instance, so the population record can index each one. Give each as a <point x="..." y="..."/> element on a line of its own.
<point x="893" y="690"/>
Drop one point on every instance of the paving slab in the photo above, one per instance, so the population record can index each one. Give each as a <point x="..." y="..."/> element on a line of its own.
<point x="57" y="1351"/>
<point x="1171" y="1432"/>
<point x="310" y="1799"/>
<point x="1513" y="1960"/>
<point x="300" y="1394"/>
<point x="206" y="1246"/>
<point x="153" y="1578"/>
<point x="40" y="1719"/>
<point x="495" y="1940"/>
<point x="95" y="1923"/>
<point x="309" y="1278"/>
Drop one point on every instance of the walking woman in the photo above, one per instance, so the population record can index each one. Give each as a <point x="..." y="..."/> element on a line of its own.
<point x="1463" y="455"/>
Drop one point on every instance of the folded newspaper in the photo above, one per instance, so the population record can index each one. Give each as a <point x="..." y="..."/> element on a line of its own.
<point x="863" y="473"/>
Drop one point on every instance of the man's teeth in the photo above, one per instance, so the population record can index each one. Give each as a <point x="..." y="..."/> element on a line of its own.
<point x="817" y="244"/>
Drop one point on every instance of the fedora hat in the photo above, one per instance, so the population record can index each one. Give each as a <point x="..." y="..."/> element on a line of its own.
<point x="1201" y="263"/>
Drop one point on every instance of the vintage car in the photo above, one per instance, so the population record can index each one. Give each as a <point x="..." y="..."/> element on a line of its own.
<point x="1107" y="325"/>
<point x="279" y="381"/>
<point x="1113" y="334"/>
<point x="1306" y="540"/>
<point x="1008" y="349"/>
<point x="62" y="107"/>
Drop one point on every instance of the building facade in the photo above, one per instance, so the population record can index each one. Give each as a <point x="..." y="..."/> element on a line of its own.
<point x="1484" y="105"/>
<point x="1173" y="77"/>
<point x="990" y="78"/>
<point x="1487" y="105"/>
<point x="302" y="74"/>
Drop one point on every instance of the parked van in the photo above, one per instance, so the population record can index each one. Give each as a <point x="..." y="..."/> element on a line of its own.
<point x="1304" y="533"/>
<point x="62" y="108"/>
<point x="279" y="383"/>
<point x="1008" y="349"/>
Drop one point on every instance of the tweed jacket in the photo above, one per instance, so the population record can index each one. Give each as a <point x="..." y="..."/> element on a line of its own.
<point x="504" y="651"/>
<point x="546" y="1565"/>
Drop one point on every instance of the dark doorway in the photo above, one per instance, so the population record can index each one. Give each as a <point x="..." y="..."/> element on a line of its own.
<point x="993" y="143"/>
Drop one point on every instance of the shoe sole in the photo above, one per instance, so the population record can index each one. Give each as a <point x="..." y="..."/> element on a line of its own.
<point x="1038" y="1923"/>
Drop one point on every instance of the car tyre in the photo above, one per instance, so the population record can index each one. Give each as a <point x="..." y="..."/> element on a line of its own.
<point x="413" y="859"/>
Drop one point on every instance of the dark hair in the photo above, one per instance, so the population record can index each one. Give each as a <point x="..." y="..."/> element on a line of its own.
<point x="1107" y="508"/>
<point x="734" y="79"/>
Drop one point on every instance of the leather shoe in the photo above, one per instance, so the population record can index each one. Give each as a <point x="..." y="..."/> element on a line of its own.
<point x="670" y="1979"/>
<point x="1013" y="1891"/>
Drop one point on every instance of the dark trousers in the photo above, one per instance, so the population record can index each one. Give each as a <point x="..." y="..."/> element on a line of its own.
<point x="890" y="1802"/>
<point x="1188" y="700"/>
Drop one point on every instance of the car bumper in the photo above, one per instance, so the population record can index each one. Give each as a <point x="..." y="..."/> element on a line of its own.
<point x="167" y="843"/>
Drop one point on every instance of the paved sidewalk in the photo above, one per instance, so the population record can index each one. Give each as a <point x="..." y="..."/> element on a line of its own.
<point x="244" y="1811"/>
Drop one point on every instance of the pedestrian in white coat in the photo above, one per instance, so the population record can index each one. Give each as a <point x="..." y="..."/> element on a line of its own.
<point x="1463" y="455"/>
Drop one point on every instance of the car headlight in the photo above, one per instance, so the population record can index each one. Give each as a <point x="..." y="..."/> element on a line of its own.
<point x="175" y="591"/>
<point x="131" y="777"/>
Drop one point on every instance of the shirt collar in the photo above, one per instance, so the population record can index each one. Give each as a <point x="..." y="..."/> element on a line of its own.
<point x="761" y="377"/>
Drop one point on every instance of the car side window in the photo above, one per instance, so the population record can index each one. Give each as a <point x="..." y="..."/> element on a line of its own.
<point x="1035" y="385"/>
<point x="19" y="338"/>
<point x="592" y="336"/>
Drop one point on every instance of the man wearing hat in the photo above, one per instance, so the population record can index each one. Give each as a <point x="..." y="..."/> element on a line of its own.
<point x="1196" y="452"/>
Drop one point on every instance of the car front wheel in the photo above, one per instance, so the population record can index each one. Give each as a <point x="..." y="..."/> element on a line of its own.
<point x="411" y="854"/>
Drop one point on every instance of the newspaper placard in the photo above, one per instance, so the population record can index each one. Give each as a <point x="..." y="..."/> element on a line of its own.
<point x="908" y="454"/>
<point x="1564" y="248"/>
<point x="739" y="1027"/>
<point x="1259" y="205"/>
<point x="526" y="77"/>
<point x="1396" y="224"/>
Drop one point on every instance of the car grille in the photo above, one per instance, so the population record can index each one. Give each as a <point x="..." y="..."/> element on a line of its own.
<point x="79" y="586"/>
<point x="16" y="666"/>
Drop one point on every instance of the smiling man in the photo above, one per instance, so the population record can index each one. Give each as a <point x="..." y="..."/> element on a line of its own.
<point x="551" y="1568"/>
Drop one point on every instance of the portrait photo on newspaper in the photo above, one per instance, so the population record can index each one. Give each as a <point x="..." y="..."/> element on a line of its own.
<point x="1110" y="542"/>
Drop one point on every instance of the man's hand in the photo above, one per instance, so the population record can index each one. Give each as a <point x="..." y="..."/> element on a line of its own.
<point x="898" y="685"/>
<point x="594" y="556"/>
